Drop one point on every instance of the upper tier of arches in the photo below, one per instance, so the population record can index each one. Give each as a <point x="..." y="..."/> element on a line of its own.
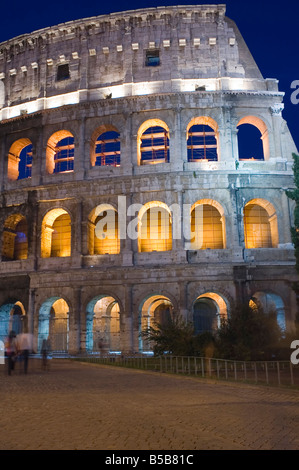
<point x="154" y="145"/>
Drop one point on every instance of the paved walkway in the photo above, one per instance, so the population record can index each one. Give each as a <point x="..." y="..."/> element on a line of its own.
<point x="87" y="406"/>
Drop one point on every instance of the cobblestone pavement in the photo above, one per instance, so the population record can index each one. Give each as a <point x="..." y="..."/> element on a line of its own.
<point x="87" y="406"/>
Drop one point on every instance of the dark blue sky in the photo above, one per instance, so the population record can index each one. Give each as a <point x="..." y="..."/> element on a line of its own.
<point x="269" y="28"/>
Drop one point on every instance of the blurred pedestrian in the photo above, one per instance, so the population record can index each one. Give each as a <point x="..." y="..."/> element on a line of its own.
<point x="25" y="347"/>
<point x="11" y="351"/>
<point x="45" y="353"/>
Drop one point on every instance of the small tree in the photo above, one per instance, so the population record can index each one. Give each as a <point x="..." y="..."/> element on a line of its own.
<point x="248" y="334"/>
<point x="294" y="195"/>
<point x="174" y="337"/>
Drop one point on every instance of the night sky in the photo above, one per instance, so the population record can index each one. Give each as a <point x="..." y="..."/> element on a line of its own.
<point x="270" y="29"/>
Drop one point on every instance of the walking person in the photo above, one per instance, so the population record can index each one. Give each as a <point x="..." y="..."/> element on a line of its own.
<point x="25" y="346"/>
<point x="11" y="351"/>
<point x="45" y="353"/>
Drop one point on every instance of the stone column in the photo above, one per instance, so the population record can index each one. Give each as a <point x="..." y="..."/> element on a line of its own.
<point x="177" y="142"/>
<point x="126" y="322"/>
<point x="276" y="110"/>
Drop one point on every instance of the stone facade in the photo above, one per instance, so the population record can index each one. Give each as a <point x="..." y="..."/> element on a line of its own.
<point x="89" y="76"/>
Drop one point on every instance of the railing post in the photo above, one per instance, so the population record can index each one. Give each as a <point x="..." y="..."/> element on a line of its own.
<point x="235" y="370"/>
<point x="245" y="371"/>
<point x="226" y="371"/>
<point x="291" y="371"/>
<point x="210" y="367"/>
<point x="202" y="367"/>
<point x="278" y="373"/>
<point x="266" y="370"/>
<point x="217" y="367"/>
<point x="255" y="372"/>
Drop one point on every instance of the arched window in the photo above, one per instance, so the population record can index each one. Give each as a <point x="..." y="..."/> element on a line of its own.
<point x="20" y="160"/>
<point x="60" y="152"/>
<point x="260" y="224"/>
<point x="253" y="141"/>
<point x="105" y="147"/>
<point x="202" y="140"/>
<point x="53" y="324"/>
<point x="155" y="227"/>
<point x="103" y="236"/>
<point x="107" y="150"/>
<point x="103" y="324"/>
<point x="153" y="309"/>
<point x="209" y="310"/>
<point x="56" y="234"/>
<point x="12" y="318"/>
<point x="207" y="226"/>
<point x="270" y="303"/>
<point x="153" y="142"/>
<point x="15" y="238"/>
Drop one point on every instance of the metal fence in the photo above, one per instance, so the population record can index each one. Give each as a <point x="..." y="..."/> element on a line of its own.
<point x="263" y="372"/>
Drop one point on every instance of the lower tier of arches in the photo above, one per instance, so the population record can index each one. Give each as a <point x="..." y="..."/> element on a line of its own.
<point x="111" y="318"/>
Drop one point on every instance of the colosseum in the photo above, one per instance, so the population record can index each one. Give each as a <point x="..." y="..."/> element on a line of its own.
<point x="144" y="163"/>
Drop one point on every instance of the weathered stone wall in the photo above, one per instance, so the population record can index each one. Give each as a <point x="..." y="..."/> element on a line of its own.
<point x="214" y="56"/>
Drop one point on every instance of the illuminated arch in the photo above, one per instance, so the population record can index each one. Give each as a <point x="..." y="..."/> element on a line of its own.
<point x="103" y="220"/>
<point x="53" y="324"/>
<point x="209" y="309"/>
<point x="60" y="152"/>
<point x="56" y="234"/>
<point x="12" y="318"/>
<point x="270" y="303"/>
<point x="20" y="160"/>
<point x="154" y="227"/>
<point x="105" y="146"/>
<point x="260" y="224"/>
<point x="153" y="309"/>
<point x="153" y="142"/>
<point x="15" y="238"/>
<point x="264" y="152"/>
<point x="103" y="324"/>
<point x="207" y="225"/>
<point x="203" y="139"/>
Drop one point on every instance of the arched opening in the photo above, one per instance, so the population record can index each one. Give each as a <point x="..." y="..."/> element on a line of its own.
<point x="60" y="152"/>
<point x="155" y="227"/>
<point x="103" y="235"/>
<point x="153" y="142"/>
<point x="107" y="150"/>
<point x="20" y="160"/>
<point x="12" y="318"/>
<point x="53" y="324"/>
<point x="208" y="311"/>
<point x="207" y="226"/>
<point x="202" y="139"/>
<point x="270" y="303"/>
<point x="15" y="238"/>
<point x="155" y="309"/>
<point x="105" y="147"/>
<point x="56" y="234"/>
<point x="103" y="325"/>
<point x="253" y="139"/>
<point x="260" y="224"/>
